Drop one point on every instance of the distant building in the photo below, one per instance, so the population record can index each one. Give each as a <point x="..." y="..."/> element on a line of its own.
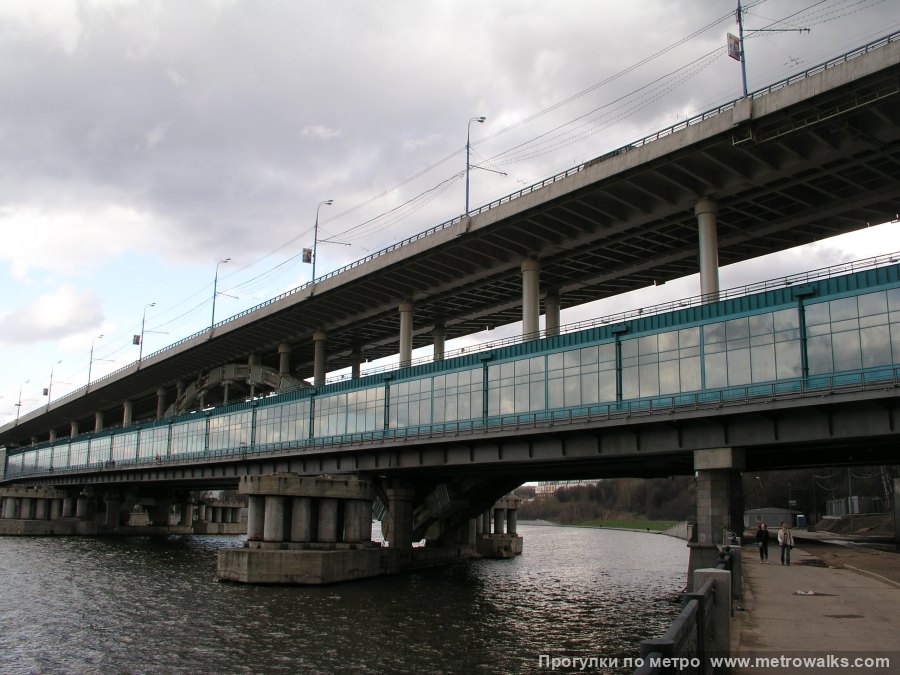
<point x="548" y="488"/>
<point x="772" y="516"/>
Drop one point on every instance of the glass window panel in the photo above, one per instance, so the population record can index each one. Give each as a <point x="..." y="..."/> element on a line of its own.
<point x="630" y="386"/>
<point x="507" y="401"/>
<point x="787" y="359"/>
<point x="494" y="401"/>
<point x="463" y="410"/>
<point x="843" y="308"/>
<point x="895" y="342"/>
<point x="507" y="369"/>
<point x="713" y="332"/>
<point x="572" y="358"/>
<point x="629" y="348"/>
<point x="846" y="351"/>
<point x="589" y="388"/>
<point x="873" y="320"/>
<point x="607" y="389"/>
<point x="739" y="367"/>
<point x="893" y="299"/>
<point x="762" y="324"/>
<point x="669" y="380"/>
<point x="785" y="319"/>
<point x="762" y="363"/>
<point x="649" y="375"/>
<point x="521" y="367"/>
<point x="875" y="344"/>
<point x="735" y="329"/>
<point x="555" y="361"/>
<point x="689" y="337"/>
<point x="606" y="353"/>
<point x="818" y="350"/>
<point x="589" y="355"/>
<point x="521" y="394"/>
<point x="648" y="344"/>
<point x="872" y="303"/>
<point x="716" y="370"/>
<point x="816" y="313"/>
<point x="690" y="374"/>
<point x="668" y="341"/>
<point x="537" y="365"/>
<point x="572" y="391"/>
<point x="847" y="324"/>
<point x="536" y="396"/>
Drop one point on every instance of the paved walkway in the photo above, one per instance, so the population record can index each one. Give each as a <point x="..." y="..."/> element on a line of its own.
<point x="812" y="610"/>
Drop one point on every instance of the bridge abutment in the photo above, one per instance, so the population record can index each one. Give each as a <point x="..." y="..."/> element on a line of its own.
<point x="503" y="542"/>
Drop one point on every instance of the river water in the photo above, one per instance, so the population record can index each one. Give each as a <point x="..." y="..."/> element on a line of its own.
<point x="140" y="605"/>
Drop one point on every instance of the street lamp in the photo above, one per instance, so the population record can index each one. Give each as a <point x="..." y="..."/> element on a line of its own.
<point x="50" y="386"/>
<point x="91" y="360"/>
<point x="143" y="321"/>
<point x="327" y="202"/>
<point x="480" y="120"/>
<point x="215" y="290"/>
<point x="19" y="404"/>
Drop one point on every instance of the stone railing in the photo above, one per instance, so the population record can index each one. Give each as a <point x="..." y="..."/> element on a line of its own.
<point x="700" y="633"/>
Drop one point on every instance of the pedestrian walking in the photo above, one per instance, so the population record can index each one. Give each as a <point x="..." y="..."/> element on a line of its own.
<point x="762" y="540"/>
<point x="786" y="541"/>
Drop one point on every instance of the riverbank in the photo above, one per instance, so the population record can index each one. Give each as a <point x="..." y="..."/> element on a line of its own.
<point x="670" y="528"/>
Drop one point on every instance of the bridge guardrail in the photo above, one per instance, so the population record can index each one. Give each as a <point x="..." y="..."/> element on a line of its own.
<point x="680" y="126"/>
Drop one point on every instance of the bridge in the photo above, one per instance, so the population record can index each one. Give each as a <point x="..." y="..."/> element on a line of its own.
<point x="799" y="371"/>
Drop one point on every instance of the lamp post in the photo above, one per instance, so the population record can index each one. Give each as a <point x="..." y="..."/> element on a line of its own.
<point x="215" y="291"/>
<point x="480" y="120"/>
<point x="50" y="386"/>
<point x="91" y="360"/>
<point x="143" y="321"/>
<point x="327" y="202"/>
<point x="19" y="404"/>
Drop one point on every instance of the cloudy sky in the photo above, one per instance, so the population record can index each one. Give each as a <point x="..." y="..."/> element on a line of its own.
<point x="143" y="141"/>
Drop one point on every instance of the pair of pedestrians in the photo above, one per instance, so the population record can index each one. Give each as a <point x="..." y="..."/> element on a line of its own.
<point x="785" y="541"/>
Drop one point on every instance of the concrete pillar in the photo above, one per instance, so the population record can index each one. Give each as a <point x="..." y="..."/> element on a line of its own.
<point x="160" y="402"/>
<point x="511" y="521"/>
<point x="217" y="514"/>
<point x="226" y="387"/>
<point x="179" y="390"/>
<point x="531" y="302"/>
<point x="201" y="512"/>
<point x="227" y="514"/>
<point x="706" y="211"/>
<point x="35" y="440"/>
<point x="111" y="516"/>
<point x="356" y="363"/>
<point x="328" y="520"/>
<point x="479" y="526"/>
<point x="187" y="514"/>
<point x="319" y="339"/>
<point x="406" y="333"/>
<point x="82" y="507"/>
<point x="127" y="409"/>
<point x="98" y="421"/>
<point x="256" y="517"/>
<point x="73" y="429"/>
<point x="400" y="512"/>
<point x="68" y="507"/>
<point x="551" y="314"/>
<point x="499" y="520"/>
<point x="301" y="519"/>
<point x="52" y="435"/>
<point x="26" y="508"/>
<point x="11" y="507"/>
<point x="284" y="359"/>
<point x="274" y="523"/>
<point x="356" y="516"/>
<point x="56" y="509"/>
<point x="486" y="522"/>
<point x="439" y="335"/>
<point x="41" y="509"/>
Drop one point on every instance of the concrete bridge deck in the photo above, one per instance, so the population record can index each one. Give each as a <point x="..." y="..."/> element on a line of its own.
<point x="849" y="614"/>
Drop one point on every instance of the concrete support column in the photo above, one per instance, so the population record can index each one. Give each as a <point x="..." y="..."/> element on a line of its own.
<point x="187" y="514"/>
<point x="284" y="359"/>
<point x="256" y="517"/>
<point x="68" y="507"/>
<point x="400" y="510"/>
<point x="227" y="514"/>
<point x="301" y="519"/>
<point x="226" y="387"/>
<point x="274" y="524"/>
<point x="486" y="522"/>
<point x="479" y="524"/>
<point x="41" y="509"/>
<point x="56" y="509"/>
<point x="511" y="520"/>
<point x="111" y="516"/>
<point x="127" y="410"/>
<point x="73" y="429"/>
<point x="11" y="507"/>
<point x="52" y="435"/>
<point x="217" y="514"/>
<point x="26" y="508"/>
<point x="201" y="513"/>
<point x="551" y="314"/>
<point x="160" y="402"/>
<point x="319" y="339"/>
<point x="98" y="421"/>
<point x="706" y="211"/>
<point x="356" y="363"/>
<point x="499" y="520"/>
<point x="352" y="522"/>
<point x="179" y="390"/>
<point x="439" y="335"/>
<point x="406" y="333"/>
<point x="328" y="520"/>
<point x="82" y="507"/>
<point x="531" y="302"/>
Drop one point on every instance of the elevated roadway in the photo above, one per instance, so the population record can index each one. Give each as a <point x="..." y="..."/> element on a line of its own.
<point x="799" y="161"/>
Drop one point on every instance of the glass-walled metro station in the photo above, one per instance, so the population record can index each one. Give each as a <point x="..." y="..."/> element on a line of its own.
<point x="803" y="336"/>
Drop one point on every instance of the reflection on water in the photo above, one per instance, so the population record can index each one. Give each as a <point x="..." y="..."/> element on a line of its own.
<point x="85" y="605"/>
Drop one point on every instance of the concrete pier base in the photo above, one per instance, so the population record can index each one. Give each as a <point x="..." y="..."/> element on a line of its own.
<point x="308" y="567"/>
